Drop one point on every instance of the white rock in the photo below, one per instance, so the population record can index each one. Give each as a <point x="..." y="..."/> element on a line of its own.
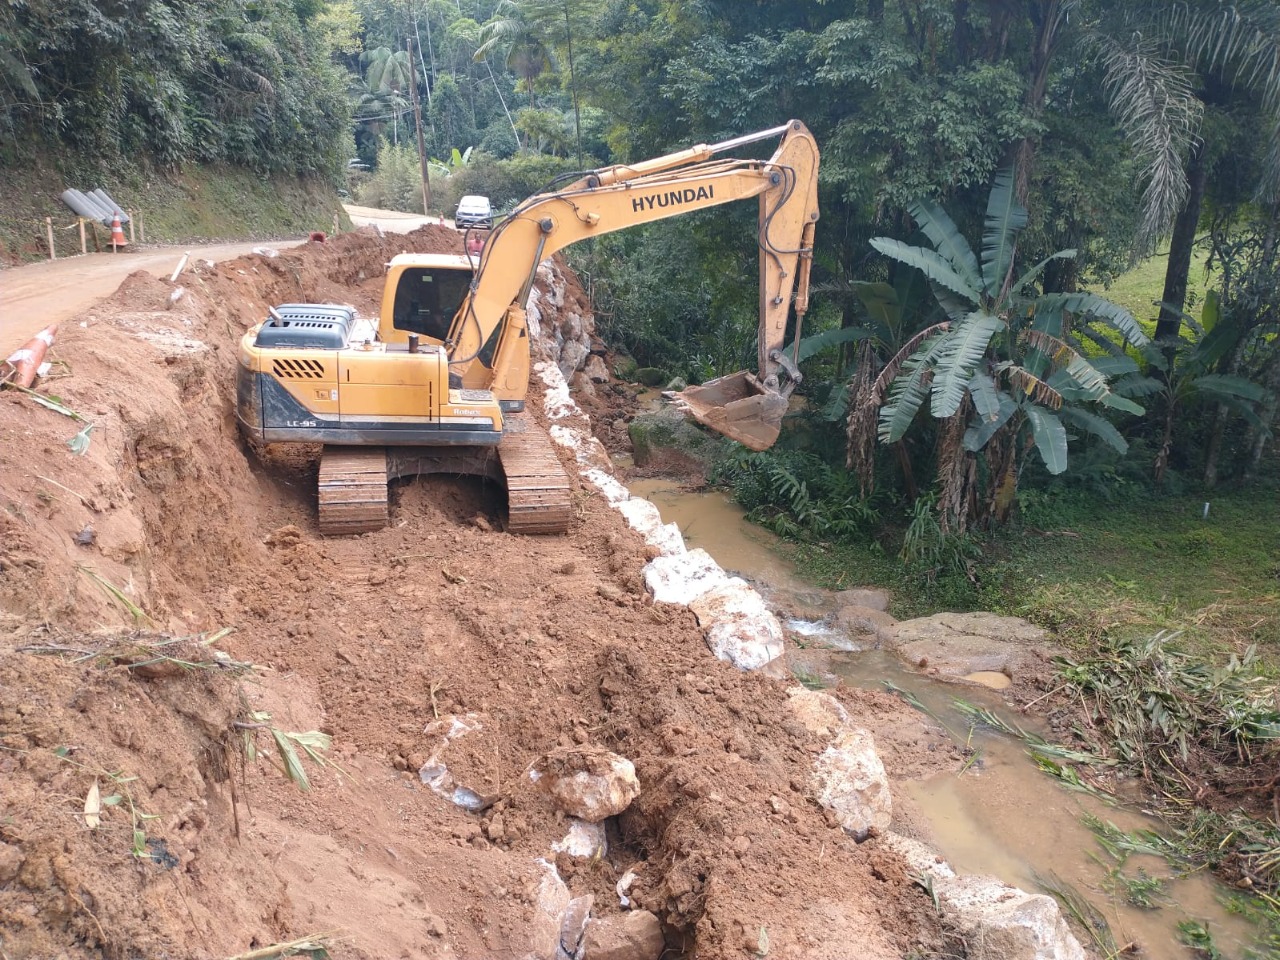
<point x="739" y="626"/>
<point x="818" y="711"/>
<point x="849" y="779"/>
<point x="684" y="577"/>
<point x="644" y="519"/>
<point x="613" y="491"/>
<point x="435" y="773"/>
<point x="584" y="839"/>
<point x="921" y="859"/>
<point x="1000" y="922"/>
<point x="589" y="783"/>
<point x="548" y="914"/>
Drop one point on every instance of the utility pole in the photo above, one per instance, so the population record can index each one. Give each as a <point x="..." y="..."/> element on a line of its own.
<point x="417" y="116"/>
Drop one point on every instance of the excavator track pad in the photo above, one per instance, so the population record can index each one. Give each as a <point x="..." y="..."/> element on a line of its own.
<point x="538" y="496"/>
<point x="738" y="406"/>
<point x="353" y="490"/>
<point x="353" y="480"/>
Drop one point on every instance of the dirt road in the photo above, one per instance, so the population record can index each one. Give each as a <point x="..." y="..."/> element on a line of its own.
<point x="38" y="294"/>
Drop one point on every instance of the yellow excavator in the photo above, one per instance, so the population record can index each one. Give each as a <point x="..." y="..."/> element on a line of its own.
<point x="438" y="383"/>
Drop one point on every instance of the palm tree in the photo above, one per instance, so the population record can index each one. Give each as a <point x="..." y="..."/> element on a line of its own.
<point x="527" y="30"/>
<point x="1164" y="62"/>
<point x="386" y="75"/>
<point x="1004" y="364"/>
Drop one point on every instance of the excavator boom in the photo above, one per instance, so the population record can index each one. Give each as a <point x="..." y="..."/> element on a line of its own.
<point x="747" y="407"/>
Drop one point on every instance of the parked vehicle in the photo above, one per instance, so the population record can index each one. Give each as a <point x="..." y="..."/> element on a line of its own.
<point x="474" y="212"/>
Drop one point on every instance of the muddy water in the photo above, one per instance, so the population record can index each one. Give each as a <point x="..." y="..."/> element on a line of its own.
<point x="1000" y="816"/>
<point x="710" y="520"/>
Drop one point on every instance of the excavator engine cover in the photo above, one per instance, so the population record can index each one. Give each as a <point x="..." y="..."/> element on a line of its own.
<point x="739" y="406"/>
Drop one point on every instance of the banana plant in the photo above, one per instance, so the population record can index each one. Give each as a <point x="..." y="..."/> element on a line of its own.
<point x="1007" y="353"/>
<point x="1185" y="374"/>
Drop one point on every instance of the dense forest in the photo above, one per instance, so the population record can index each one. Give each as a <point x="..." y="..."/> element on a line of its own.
<point x="1079" y="135"/>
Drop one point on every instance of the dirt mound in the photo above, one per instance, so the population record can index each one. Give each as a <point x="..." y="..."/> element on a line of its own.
<point x="384" y="642"/>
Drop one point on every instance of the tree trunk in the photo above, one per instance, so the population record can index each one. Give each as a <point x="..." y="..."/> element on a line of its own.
<point x="1181" y="246"/>
<point x="573" y="83"/>
<point x="1047" y="16"/>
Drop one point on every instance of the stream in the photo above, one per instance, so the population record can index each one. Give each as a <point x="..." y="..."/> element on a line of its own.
<point x="998" y="816"/>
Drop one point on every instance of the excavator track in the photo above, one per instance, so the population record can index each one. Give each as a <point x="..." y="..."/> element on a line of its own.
<point x="353" y="490"/>
<point x="538" y="496"/>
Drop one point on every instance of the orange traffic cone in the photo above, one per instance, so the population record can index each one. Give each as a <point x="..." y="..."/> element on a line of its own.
<point x="117" y="235"/>
<point x="22" y="364"/>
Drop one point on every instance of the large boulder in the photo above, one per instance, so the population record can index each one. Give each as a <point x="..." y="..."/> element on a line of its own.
<point x="1000" y="922"/>
<point x="958" y="644"/>
<point x="589" y="783"/>
<point x="739" y="626"/>
<point x="817" y="711"/>
<point x="636" y="935"/>
<point x="849" y="780"/>
<point x="684" y="577"/>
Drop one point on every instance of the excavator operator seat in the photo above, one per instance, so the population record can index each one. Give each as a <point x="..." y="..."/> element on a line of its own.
<point x="427" y="298"/>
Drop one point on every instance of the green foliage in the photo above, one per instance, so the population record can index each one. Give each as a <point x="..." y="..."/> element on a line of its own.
<point x="1166" y="710"/>
<point x="929" y="551"/>
<point x="1007" y="350"/>
<point x="397" y="182"/>
<point x="797" y="495"/>
<point x="251" y="84"/>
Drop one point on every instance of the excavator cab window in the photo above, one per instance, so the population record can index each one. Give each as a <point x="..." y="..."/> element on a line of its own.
<point x="427" y="298"/>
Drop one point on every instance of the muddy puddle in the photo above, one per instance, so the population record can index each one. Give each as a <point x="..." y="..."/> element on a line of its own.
<point x="997" y="814"/>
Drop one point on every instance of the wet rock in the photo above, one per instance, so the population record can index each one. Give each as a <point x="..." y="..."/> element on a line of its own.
<point x="584" y="840"/>
<point x="636" y="935"/>
<point x="739" y="626"/>
<point x="595" y="370"/>
<point x="849" y="780"/>
<point x="684" y="577"/>
<point x="871" y="597"/>
<point x="1000" y="922"/>
<point x="589" y="783"/>
<point x="865" y="623"/>
<point x="958" y="644"/>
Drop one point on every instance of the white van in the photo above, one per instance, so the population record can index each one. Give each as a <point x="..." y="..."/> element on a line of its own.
<point x="474" y="212"/>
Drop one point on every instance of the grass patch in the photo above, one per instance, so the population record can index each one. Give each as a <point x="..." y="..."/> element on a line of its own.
<point x="1087" y="568"/>
<point x="196" y="203"/>
<point x="1139" y="289"/>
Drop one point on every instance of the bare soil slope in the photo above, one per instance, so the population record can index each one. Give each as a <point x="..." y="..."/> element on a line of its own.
<point x="540" y="642"/>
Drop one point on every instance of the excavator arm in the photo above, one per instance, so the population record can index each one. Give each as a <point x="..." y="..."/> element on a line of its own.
<point x="746" y="407"/>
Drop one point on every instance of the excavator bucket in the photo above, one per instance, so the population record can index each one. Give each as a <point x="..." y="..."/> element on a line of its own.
<point x="739" y="406"/>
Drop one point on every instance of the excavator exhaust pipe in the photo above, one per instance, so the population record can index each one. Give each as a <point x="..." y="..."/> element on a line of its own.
<point x="737" y="405"/>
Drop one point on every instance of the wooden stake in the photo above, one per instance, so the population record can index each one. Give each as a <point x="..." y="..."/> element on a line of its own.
<point x="48" y="229"/>
<point x="335" y="224"/>
<point x="131" y="226"/>
<point x="142" y="229"/>
<point x="83" y="248"/>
